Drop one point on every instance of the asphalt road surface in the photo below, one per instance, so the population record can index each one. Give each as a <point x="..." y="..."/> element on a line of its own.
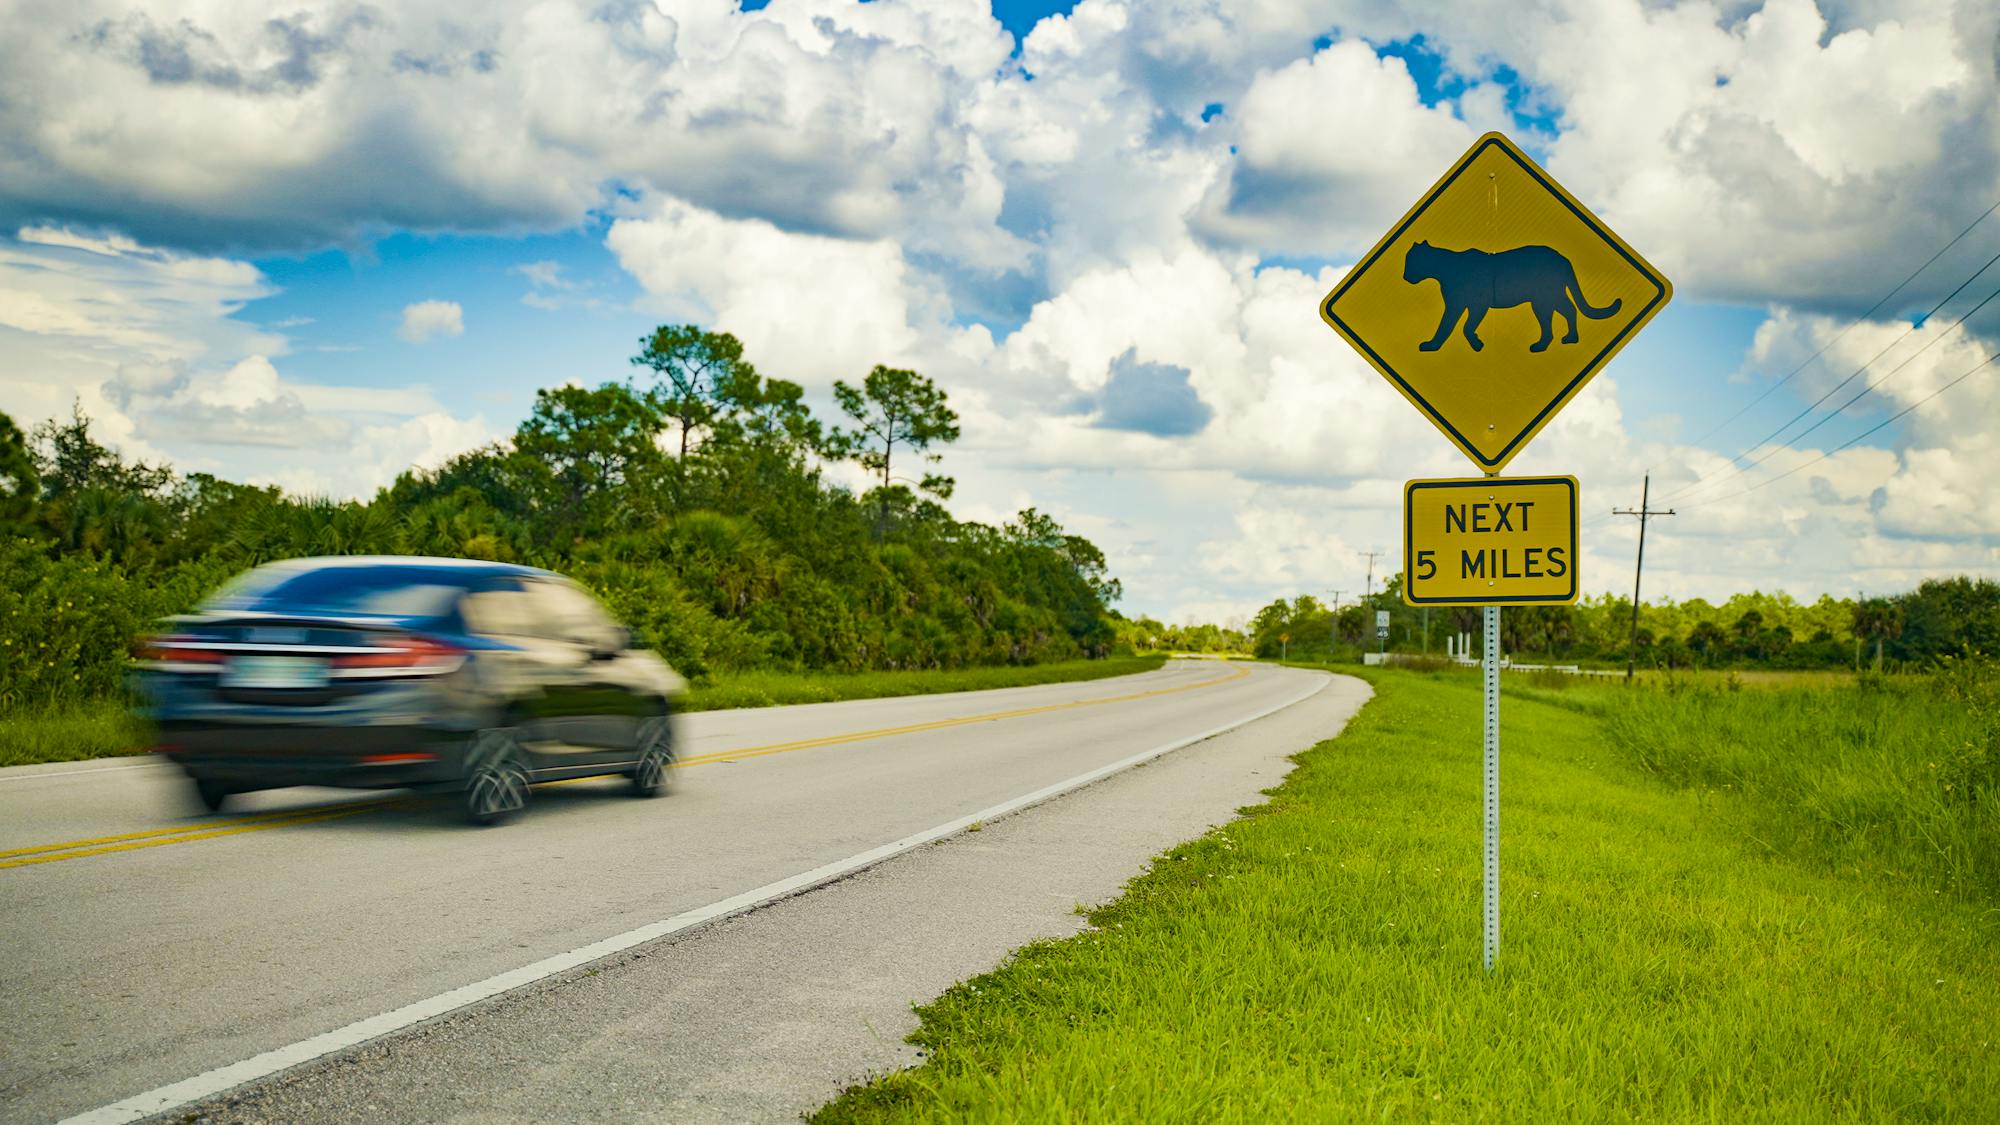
<point x="599" y="959"/>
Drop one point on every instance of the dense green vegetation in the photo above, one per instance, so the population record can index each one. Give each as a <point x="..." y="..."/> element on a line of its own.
<point x="1144" y="634"/>
<point x="692" y="500"/>
<point x="1947" y="617"/>
<point x="1719" y="903"/>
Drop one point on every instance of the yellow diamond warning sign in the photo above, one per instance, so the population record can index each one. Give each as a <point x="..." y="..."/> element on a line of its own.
<point x="1490" y="541"/>
<point x="1494" y="301"/>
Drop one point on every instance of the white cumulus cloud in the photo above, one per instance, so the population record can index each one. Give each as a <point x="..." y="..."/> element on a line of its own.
<point x="145" y="340"/>
<point x="810" y="307"/>
<point x="428" y="320"/>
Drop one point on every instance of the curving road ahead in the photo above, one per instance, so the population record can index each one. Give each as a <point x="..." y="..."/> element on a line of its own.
<point x="155" y="958"/>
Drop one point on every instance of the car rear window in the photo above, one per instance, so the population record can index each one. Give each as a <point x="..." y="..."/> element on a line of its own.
<point x="404" y="592"/>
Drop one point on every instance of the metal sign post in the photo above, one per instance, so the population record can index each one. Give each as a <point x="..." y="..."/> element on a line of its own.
<point x="1457" y="307"/>
<point x="1490" y="659"/>
<point x="1490" y="669"/>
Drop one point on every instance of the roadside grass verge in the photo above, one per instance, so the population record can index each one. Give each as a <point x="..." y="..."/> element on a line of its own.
<point x="1319" y="959"/>
<point x="1881" y="778"/>
<point x="771" y="689"/>
<point x="106" y="729"/>
<point x="70" y="733"/>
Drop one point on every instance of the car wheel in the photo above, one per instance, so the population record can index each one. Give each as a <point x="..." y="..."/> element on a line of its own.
<point x="212" y="794"/>
<point x="656" y="757"/>
<point x="496" y="780"/>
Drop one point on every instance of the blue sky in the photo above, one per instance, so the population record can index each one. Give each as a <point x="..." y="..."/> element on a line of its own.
<point x="1020" y="19"/>
<point x="1111" y="265"/>
<point x="355" y="298"/>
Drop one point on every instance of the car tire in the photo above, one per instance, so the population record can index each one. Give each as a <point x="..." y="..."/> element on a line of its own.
<point x="212" y="794"/>
<point x="496" y="778"/>
<point x="656" y="758"/>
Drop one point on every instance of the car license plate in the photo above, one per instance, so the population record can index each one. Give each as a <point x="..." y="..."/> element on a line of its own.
<point x="294" y="673"/>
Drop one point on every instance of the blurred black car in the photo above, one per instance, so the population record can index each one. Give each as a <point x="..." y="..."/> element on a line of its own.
<point x="389" y="672"/>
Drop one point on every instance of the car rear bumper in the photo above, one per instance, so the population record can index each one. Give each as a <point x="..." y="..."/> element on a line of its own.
<point x="270" y="757"/>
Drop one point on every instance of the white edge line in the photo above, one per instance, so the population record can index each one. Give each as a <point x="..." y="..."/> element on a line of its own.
<point x="226" y="1078"/>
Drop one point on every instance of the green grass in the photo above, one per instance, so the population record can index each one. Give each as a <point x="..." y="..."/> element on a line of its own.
<point x="1319" y="959"/>
<point x="769" y="689"/>
<point x="1884" y="778"/>
<point x="104" y="729"/>
<point x="101" y="729"/>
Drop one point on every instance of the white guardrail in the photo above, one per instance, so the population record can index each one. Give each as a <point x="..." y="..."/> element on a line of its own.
<point x="1506" y="664"/>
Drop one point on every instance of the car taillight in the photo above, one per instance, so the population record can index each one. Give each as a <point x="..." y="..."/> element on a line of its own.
<point x="405" y="654"/>
<point x="175" y="650"/>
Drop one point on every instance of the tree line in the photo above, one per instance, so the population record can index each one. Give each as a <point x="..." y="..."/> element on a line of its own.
<point x="1941" y="618"/>
<point x="692" y="497"/>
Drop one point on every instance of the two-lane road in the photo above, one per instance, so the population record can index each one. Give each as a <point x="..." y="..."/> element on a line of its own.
<point x="147" y="946"/>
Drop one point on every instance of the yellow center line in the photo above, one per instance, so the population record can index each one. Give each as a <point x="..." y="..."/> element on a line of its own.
<point x="941" y="724"/>
<point x="232" y="822"/>
<point x="209" y="830"/>
<point x="307" y="816"/>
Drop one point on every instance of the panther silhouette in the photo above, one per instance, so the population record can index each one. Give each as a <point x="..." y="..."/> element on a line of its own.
<point x="1475" y="283"/>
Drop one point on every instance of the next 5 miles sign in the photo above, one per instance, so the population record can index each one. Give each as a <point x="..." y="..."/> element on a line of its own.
<point x="1490" y="541"/>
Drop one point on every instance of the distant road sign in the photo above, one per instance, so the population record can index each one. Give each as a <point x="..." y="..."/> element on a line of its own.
<point x="1494" y="300"/>
<point x="1490" y="541"/>
<point x="1381" y="624"/>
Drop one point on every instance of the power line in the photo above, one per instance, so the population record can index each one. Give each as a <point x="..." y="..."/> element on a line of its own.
<point x="1836" y="412"/>
<point x="1793" y="420"/>
<point x="1705" y="481"/>
<point x="1852" y="325"/>
<point x="1856" y="439"/>
<point x="1914" y="325"/>
<point x="1885" y="378"/>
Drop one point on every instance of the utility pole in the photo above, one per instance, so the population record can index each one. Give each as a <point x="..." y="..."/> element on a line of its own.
<point x="1638" y="568"/>
<point x="1371" y="556"/>
<point x="1861" y="599"/>
<point x="1333" y="630"/>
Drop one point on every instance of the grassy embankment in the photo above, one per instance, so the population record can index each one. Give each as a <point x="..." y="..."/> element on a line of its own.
<point x="105" y="729"/>
<point x="1718" y="904"/>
